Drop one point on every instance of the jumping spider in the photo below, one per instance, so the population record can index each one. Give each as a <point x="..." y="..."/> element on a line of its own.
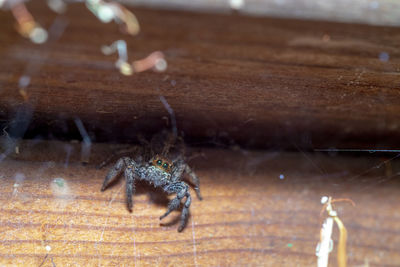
<point x="161" y="171"/>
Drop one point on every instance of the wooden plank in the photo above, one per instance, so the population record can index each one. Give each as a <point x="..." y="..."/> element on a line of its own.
<point x="52" y="210"/>
<point x="383" y="12"/>
<point x="231" y="79"/>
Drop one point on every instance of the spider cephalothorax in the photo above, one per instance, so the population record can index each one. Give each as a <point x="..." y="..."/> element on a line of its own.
<point x="162" y="163"/>
<point x="159" y="171"/>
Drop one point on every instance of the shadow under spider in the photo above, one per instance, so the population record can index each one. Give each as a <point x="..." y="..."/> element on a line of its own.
<point x="174" y="221"/>
<point x="156" y="195"/>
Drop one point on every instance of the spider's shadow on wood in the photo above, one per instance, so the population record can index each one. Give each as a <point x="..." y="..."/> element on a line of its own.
<point x="156" y="195"/>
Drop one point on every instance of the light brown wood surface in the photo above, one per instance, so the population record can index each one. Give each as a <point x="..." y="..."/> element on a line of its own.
<point x="249" y="216"/>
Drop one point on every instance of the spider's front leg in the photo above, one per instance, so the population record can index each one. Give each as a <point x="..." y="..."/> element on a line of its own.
<point x="182" y="190"/>
<point x="130" y="184"/>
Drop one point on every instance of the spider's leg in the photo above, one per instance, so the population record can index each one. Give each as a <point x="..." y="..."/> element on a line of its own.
<point x="195" y="180"/>
<point x="183" y="167"/>
<point x="181" y="189"/>
<point x="115" y="170"/>
<point x="168" y="144"/>
<point x="106" y="162"/>
<point x="180" y="144"/>
<point x="172" y="205"/>
<point x="185" y="212"/>
<point x="130" y="185"/>
<point x="178" y="171"/>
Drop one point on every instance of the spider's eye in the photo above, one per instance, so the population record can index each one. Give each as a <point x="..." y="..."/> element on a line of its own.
<point x="165" y="165"/>
<point x="159" y="162"/>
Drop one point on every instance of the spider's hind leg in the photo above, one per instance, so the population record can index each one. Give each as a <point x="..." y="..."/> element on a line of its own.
<point x="180" y="168"/>
<point x="195" y="180"/>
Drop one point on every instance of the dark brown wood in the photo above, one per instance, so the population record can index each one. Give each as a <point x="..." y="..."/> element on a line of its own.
<point x="252" y="81"/>
<point x="51" y="205"/>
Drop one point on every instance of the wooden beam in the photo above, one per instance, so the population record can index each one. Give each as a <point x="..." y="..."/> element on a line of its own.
<point x="383" y="12"/>
<point x="251" y="81"/>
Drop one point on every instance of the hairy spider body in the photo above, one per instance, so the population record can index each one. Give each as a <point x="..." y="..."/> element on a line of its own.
<point x="159" y="172"/>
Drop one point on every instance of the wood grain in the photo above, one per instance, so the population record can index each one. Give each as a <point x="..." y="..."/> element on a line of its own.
<point x="383" y="12"/>
<point x="231" y="79"/>
<point x="249" y="216"/>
